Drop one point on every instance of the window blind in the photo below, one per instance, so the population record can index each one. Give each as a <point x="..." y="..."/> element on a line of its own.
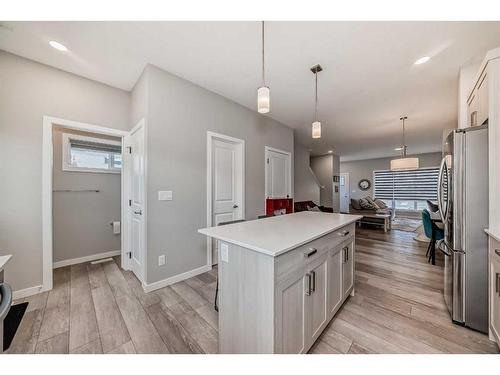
<point x="418" y="184"/>
<point x="96" y="146"/>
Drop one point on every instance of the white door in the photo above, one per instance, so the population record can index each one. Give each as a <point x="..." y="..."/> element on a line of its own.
<point x="227" y="184"/>
<point x="136" y="202"/>
<point x="345" y="196"/>
<point x="278" y="173"/>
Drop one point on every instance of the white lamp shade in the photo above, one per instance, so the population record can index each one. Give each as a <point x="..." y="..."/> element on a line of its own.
<point x="263" y="99"/>
<point x="404" y="164"/>
<point x="316" y="129"/>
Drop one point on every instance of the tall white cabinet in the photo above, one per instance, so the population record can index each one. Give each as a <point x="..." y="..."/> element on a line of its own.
<point x="484" y="107"/>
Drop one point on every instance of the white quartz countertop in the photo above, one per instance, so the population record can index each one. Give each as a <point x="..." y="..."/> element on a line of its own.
<point x="3" y="260"/>
<point x="279" y="234"/>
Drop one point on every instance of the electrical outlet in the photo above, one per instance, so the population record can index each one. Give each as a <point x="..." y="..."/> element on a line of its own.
<point x="161" y="260"/>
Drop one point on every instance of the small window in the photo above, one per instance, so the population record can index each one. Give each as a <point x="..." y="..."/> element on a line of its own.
<point x="87" y="154"/>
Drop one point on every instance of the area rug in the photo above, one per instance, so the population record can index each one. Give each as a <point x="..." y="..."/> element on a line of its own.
<point x="405" y="224"/>
<point x="420" y="235"/>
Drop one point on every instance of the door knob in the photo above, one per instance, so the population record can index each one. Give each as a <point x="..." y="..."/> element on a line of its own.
<point x="138" y="212"/>
<point x="235" y="206"/>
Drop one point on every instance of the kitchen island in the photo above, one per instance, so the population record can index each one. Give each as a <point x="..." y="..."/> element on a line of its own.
<point x="282" y="279"/>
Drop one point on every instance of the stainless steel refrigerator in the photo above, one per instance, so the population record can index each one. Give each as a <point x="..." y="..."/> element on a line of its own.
<point x="463" y="204"/>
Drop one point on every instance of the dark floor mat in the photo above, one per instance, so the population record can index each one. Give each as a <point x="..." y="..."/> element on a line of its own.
<point x="11" y="323"/>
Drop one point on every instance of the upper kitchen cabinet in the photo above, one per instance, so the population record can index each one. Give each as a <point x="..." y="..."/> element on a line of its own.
<point x="477" y="104"/>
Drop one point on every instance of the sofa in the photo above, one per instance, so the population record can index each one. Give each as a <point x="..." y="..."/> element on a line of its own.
<point x="310" y="206"/>
<point x="369" y="209"/>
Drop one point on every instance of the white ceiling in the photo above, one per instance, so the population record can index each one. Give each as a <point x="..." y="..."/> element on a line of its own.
<point x="368" y="81"/>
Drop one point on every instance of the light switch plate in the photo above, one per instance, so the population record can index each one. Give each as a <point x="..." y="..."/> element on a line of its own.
<point x="224" y="252"/>
<point x="165" y="195"/>
<point x="161" y="260"/>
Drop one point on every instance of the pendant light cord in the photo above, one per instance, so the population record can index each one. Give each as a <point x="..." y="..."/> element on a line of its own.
<point x="316" y="97"/>
<point x="263" y="57"/>
<point x="403" y="146"/>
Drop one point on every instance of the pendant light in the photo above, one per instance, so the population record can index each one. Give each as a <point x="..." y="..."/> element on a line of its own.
<point x="263" y="92"/>
<point x="316" y="125"/>
<point x="404" y="163"/>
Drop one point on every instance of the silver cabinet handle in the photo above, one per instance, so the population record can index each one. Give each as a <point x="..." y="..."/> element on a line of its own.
<point x="497" y="252"/>
<point x="497" y="283"/>
<point x="473" y="118"/>
<point x="138" y="212"/>
<point x="313" y="287"/>
<point x="308" y="287"/>
<point x="344" y="233"/>
<point x="345" y="254"/>
<point x="311" y="252"/>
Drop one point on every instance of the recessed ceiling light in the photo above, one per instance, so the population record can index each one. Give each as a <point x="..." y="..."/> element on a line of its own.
<point x="398" y="148"/>
<point x="422" y="60"/>
<point x="330" y="151"/>
<point x="58" y="46"/>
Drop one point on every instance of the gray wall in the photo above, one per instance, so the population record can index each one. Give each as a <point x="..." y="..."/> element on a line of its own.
<point x="28" y="91"/>
<point x="306" y="187"/>
<point x="323" y="169"/>
<point x="139" y="100"/>
<point x="81" y="219"/>
<point x="360" y="169"/>
<point x="179" y="116"/>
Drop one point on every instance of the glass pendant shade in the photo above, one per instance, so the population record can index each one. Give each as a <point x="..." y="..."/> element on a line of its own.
<point x="316" y="129"/>
<point x="404" y="164"/>
<point x="263" y="99"/>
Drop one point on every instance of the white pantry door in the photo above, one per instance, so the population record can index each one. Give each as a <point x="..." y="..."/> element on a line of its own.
<point x="278" y="173"/>
<point x="345" y="195"/>
<point x="137" y="202"/>
<point x="227" y="183"/>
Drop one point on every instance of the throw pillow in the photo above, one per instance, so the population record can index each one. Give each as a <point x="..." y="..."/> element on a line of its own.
<point x="372" y="202"/>
<point x="365" y="205"/>
<point x="380" y="203"/>
<point x="315" y="209"/>
<point x="355" y="204"/>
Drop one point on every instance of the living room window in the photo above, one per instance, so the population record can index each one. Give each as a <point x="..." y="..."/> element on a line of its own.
<point x="88" y="154"/>
<point x="406" y="190"/>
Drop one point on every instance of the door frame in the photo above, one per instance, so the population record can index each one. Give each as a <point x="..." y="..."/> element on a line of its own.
<point x="348" y="189"/>
<point x="211" y="136"/>
<point x="126" y="192"/>
<point x="47" y="169"/>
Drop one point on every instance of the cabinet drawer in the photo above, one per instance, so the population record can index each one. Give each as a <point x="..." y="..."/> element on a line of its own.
<point x="295" y="258"/>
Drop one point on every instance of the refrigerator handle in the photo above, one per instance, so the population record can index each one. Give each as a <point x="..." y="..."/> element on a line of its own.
<point x="439" y="191"/>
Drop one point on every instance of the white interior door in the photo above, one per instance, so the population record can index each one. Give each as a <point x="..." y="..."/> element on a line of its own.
<point x="137" y="202"/>
<point x="345" y="196"/>
<point x="278" y="174"/>
<point x="227" y="184"/>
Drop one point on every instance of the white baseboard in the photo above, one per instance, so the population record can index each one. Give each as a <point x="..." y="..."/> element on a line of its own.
<point x="22" y="293"/>
<point x="175" y="279"/>
<point x="89" y="258"/>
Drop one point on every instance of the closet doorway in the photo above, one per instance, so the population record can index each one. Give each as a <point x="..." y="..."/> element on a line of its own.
<point x="86" y="185"/>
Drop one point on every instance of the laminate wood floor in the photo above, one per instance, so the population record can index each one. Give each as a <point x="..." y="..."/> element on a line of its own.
<point x="398" y="308"/>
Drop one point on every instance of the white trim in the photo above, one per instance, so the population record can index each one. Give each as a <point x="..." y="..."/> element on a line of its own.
<point x="266" y="167"/>
<point x="47" y="164"/>
<point x="175" y="279"/>
<point x="88" y="258"/>
<point x="210" y="137"/>
<point x="22" y="293"/>
<point x="126" y="217"/>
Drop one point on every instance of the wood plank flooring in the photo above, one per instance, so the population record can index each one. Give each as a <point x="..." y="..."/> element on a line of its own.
<point x="397" y="308"/>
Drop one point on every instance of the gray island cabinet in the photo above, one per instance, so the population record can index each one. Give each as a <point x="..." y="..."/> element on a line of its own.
<point x="282" y="279"/>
